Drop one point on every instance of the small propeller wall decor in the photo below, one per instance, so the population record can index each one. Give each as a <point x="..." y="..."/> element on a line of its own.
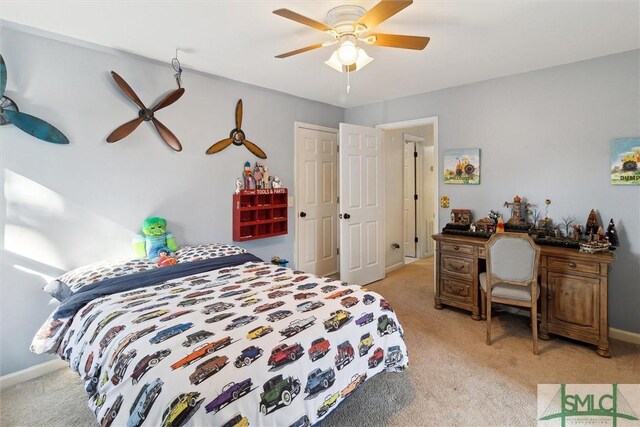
<point x="9" y="114"/>
<point x="145" y="115"/>
<point x="237" y="137"/>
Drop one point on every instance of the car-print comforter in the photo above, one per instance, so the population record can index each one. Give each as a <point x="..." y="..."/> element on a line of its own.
<point x="250" y="343"/>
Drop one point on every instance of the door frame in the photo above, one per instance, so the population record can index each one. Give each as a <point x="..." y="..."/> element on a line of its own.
<point x="296" y="242"/>
<point x="418" y="176"/>
<point x="432" y="120"/>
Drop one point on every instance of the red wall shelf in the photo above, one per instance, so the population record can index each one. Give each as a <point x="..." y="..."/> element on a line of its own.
<point x="258" y="214"/>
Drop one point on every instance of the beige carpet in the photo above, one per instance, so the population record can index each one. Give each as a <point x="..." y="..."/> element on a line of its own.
<point x="453" y="378"/>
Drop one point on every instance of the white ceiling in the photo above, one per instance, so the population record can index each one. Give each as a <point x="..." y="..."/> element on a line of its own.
<point x="470" y="40"/>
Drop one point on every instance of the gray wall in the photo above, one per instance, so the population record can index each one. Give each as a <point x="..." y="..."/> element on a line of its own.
<point x="65" y="206"/>
<point x="544" y="134"/>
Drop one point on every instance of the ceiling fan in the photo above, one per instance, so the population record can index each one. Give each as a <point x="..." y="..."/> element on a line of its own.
<point x="349" y="25"/>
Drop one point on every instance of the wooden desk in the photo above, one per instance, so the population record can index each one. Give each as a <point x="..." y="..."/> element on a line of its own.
<point x="573" y="294"/>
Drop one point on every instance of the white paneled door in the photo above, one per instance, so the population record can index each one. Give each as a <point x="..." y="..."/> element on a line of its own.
<point x="361" y="213"/>
<point x="409" y="199"/>
<point x="317" y="208"/>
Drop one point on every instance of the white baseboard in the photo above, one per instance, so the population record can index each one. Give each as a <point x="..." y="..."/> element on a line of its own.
<point x="394" y="266"/>
<point x="622" y="335"/>
<point x="31" y="373"/>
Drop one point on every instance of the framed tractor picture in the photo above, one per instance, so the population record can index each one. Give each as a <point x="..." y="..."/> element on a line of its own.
<point x="625" y="161"/>
<point x="462" y="166"/>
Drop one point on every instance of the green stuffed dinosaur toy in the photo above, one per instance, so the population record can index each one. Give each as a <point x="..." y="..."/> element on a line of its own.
<point x="155" y="239"/>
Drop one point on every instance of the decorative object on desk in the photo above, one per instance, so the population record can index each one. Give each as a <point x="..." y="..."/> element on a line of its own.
<point x="535" y="216"/>
<point x="462" y="166"/>
<point x="516" y="210"/>
<point x="237" y="137"/>
<point x="444" y="202"/>
<point x="145" y="115"/>
<point x="592" y="223"/>
<point x="500" y="225"/>
<point x="461" y="216"/>
<point x="258" y="176"/>
<point x="567" y="223"/>
<point x="595" y="246"/>
<point x="9" y="114"/>
<point x="485" y="225"/>
<point x="493" y="216"/>
<point x="154" y="239"/>
<point x="577" y="232"/>
<point x="472" y="227"/>
<point x="238" y="185"/>
<point x="612" y="234"/>
<point x="276" y="182"/>
<point x="247" y="175"/>
<point x="625" y="161"/>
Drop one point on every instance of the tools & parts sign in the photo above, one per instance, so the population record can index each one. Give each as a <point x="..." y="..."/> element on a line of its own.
<point x="563" y="405"/>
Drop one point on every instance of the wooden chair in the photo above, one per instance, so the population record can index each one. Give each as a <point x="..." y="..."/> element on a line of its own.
<point x="511" y="277"/>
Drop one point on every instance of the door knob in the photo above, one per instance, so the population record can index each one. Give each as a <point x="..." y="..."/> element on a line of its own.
<point x="346" y="216"/>
<point x="303" y="214"/>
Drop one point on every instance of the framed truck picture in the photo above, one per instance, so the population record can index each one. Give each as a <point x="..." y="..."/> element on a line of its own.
<point x="625" y="161"/>
<point x="462" y="166"/>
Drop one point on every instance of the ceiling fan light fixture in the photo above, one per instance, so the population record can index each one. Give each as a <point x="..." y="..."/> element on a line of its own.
<point x="334" y="63"/>
<point x="363" y="59"/>
<point x="348" y="51"/>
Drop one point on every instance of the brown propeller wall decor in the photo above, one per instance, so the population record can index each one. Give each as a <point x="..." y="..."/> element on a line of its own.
<point x="237" y="137"/>
<point x="145" y="115"/>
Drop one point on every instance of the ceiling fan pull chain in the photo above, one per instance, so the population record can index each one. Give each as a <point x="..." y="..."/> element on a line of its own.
<point x="348" y="81"/>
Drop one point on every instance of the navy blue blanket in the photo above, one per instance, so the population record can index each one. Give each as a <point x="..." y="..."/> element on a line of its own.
<point x="74" y="303"/>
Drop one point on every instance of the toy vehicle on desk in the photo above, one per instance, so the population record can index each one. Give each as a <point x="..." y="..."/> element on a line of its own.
<point x="297" y="326"/>
<point x="376" y="357"/>
<point x="268" y="306"/>
<point x="219" y="317"/>
<point x="240" y="321"/>
<point x="366" y="342"/>
<point x="147" y="363"/>
<point x="258" y="332"/>
<point x="356" y="381"/>
<point x="230" y="392"/>
<point x="143" y="403"/>
<point x="344" y="354"/>
<point x="217" y="307"/>
<point x="207" y="369"/>
<point x="318" y="380"/>
<point x="340" y="294"/>
<point x="149" y="316"/>
<point x="319" y="347"/>
<point x="175" y="314"/>
<point x="128" y="340"/>
<point x="309" y="305"/>
<point x="122" y="365"/>
<point x="349" y="302"/>
<point x="247" y="356"/>
<point x="337" y="319"/>
<point x="112" y="412"/>
<point x="394" y="355"/>
<point x="276" y="391"/>
<point x="196" y="337"/>
<point x="165" y="334"/>
<point x="283" y="353"/>
<point x="279" y="315"/>
<point x="364" y="319"/>
<point x="329" y="401"/>
<point x="386" y="325"/>
<point x="181" y="409"/>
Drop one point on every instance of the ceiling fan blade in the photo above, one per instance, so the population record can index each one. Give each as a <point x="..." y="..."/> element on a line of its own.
<point x="400" y="41"/>
<point x="239" y="114"/>
<point x="254" y="149"/>
<point x="169" y="99"/>
<point x="127" y="90"/>
<point x="297" y="51"/>
<point x="3" y="76"/>
<point x="167" y="135"/>
<point x="36" y="127"/>
<point x="286" y="13"/>
<point x="381" y="12"/>
<point x="125" y="130"/>
<point x="219" y="146"/>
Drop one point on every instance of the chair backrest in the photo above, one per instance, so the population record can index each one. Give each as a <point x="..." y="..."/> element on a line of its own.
<point x="512" y="258"/>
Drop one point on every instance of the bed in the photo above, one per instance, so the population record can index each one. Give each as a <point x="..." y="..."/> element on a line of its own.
<point x="219" y="339"/>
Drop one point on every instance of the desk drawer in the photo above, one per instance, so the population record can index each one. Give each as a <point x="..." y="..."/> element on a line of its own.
<point x="456" y="289"/>
<point x="453" y="247"/>
<point x="571" y="265"/>
<point x="482" y="252"/>
<point x="454" y="265"/>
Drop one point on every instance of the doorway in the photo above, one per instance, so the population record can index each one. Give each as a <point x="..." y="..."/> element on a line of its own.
<point x="410" y="190"/>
